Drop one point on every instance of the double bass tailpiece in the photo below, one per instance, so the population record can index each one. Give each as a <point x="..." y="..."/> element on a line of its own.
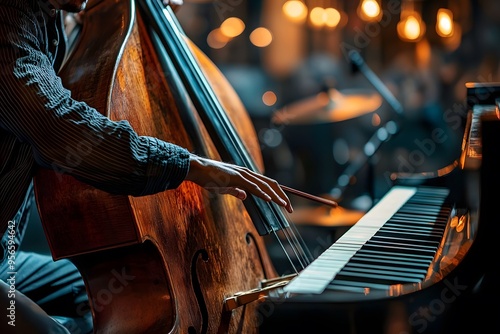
<point x="266" y="286"/>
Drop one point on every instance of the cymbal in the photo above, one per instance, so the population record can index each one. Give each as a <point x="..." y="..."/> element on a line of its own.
<point x="329" y="107"/>
<point x="325" y="216"/>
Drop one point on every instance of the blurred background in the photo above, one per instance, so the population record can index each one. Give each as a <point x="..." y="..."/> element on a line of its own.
<point x="316" y="114"/>
<point x="281" y="55"/>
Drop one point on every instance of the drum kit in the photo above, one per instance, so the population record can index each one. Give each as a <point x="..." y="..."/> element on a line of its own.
<point x="331" y="106"/>
<point x="328" y="107"/>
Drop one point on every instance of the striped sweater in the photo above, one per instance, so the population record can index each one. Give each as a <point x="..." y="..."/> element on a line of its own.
<point x="41" y="125"/>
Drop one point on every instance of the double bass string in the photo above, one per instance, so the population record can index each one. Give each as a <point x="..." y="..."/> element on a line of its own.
<point x="294" y="239"/>
<point x="292" y="236"/>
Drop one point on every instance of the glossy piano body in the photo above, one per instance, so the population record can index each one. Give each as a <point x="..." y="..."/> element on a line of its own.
<point x="389" y="293"/>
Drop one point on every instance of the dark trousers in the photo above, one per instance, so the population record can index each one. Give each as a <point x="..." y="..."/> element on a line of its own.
<point x="54" y="286"/>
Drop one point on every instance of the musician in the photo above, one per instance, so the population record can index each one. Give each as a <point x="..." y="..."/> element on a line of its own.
<point x="41" y="126"/>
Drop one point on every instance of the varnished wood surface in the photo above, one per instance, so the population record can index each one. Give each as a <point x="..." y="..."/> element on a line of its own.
<point x="160" y="263"/>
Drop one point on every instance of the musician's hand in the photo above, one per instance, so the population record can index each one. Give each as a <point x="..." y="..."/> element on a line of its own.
<point x="225" y="178"/>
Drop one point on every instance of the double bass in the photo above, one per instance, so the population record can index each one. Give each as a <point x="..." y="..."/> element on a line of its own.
<point x="180" y="261"/>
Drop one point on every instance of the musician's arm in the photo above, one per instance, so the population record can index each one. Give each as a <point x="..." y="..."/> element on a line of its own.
<point x="67" y="135"/>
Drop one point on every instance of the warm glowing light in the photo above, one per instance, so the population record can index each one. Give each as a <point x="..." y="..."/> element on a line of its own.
<point x="295" y="10"/>
<point x="317" y="16"/>
<point x="332" y="17"/>
<point x="444" y="22"/>
<point x="261" y="37"/>
<point x="411" y="28"/>
<point x="216" y="39"/>
<point x="269" y="98"/>
<point x="369" y="10"/>
<point x="232" y="27"/>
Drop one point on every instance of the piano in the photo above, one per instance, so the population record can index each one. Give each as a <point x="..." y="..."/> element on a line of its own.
<point x="421" y="260"/>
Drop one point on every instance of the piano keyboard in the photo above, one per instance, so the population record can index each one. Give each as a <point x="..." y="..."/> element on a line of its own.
<point x="393" y="243"/>
<point x="471" y="142"/>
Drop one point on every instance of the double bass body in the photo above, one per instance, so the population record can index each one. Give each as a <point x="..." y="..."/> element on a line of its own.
<point x="165" y="262"/>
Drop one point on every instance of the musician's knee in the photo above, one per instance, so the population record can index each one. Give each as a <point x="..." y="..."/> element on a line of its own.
<point x="24" y="315"/>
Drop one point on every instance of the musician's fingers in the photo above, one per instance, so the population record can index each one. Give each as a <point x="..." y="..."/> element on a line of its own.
<point x="236" y="192"/>
<point x="245" y="183"/>
<point x="240" y="193"/>
<point x="215" y="174"/>
<point x="263" y="184"/>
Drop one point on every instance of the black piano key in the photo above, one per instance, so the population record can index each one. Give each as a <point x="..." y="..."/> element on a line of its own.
<point x="431" y="209"/>
<point x="429" y="238"/>
<point x="379" y="278"/>
<point x="428" y="234"/>
<point x="404" y="247"/>
<point x="420" y="218"/>
<point x="400" y="261"/>
<point x="420" y="211"/>
<point x="414" y="227"/>
<point x="381" y="256"/>
<point x="403" y="268"/>
<point x="417" y="223"/>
